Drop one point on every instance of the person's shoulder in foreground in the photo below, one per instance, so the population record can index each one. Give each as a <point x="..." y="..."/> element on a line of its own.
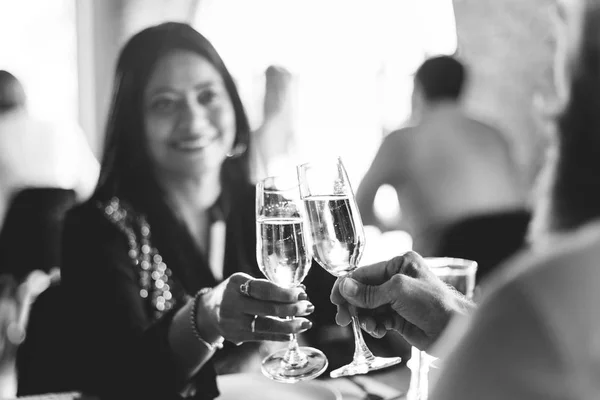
<point x="535" y="335"/>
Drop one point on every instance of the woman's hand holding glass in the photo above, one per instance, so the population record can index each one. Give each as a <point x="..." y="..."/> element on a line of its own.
<point x="254" y="313"/>
<point x="284" y="257"/>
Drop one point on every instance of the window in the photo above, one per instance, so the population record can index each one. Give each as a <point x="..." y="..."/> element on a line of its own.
<point x="352" y="60"/>
<point x="38" y="46"/>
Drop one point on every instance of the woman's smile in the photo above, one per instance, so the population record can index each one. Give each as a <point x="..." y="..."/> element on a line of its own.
<point x="193" y="144"/>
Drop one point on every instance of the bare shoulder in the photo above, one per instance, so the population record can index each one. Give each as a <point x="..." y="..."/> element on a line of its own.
<point x="403" y="133"/>
<point x="484" y="126"/>
<point x="399" y="139"/>
<point x="491" y="137"/>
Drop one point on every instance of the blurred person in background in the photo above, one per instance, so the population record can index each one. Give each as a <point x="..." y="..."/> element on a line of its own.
<point x="45" y="168"/>
<point x="11" y="336"/>
<point x="158" y="264"/>
<point x="535" y="334"/>
<point x="16" y="300"/>
<point x="457" y="183"/>
<point x="274" y="140"/>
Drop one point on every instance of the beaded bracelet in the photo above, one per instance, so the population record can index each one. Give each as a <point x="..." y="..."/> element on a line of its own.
<point x="218" y="344"/>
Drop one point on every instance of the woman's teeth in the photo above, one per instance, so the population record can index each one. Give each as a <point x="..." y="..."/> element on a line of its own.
<point x="192" y="144"/>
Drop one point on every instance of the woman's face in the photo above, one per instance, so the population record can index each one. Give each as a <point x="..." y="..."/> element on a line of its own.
<point x="189" y="118"/>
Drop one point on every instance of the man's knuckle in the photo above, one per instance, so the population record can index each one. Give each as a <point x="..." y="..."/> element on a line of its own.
<point x="412" y="263"/>
<point x="370" y="295"/>
<point x="412" y="257"/>
<point x="397" y="281"/>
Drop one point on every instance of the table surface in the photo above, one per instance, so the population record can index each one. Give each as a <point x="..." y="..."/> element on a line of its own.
<point x="388" y="383"/>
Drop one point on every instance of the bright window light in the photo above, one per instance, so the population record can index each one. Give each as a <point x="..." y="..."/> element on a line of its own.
<point x="38" y="46"/>
<point x="352" y="60"/>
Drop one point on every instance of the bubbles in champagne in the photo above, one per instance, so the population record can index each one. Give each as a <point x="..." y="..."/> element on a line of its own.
<point x="337" y="235"/>
<point x="281" y="251"/>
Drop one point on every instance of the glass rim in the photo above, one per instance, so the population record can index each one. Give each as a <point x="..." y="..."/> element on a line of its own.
<point x="451" y="262"/>
<point x="291" y="179"/>
<point x="319" y="161"/>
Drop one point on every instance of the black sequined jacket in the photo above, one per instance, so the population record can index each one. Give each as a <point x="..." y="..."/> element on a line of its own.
<point x="120" y="337"/>
<point x="96" y="334"/>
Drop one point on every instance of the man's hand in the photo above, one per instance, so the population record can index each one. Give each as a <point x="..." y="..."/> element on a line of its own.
<point x="402" y="294"/>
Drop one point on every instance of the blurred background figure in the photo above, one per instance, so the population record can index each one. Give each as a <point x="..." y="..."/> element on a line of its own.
<point x="45" y="168"/>
<point x="455" y="177"/>
<point x="10" y="336"/>
<point x="168" y="237"/>
<point x="535" y="335"/>
<point x="274" y="139"/>
<point x="15" y="304"/>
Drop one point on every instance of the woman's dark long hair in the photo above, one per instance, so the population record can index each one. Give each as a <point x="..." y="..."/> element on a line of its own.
<point x="127" y="170"/>
<point x="575" y="188"/>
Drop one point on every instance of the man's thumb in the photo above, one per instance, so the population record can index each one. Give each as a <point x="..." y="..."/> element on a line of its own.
<point x="361" y="295"/>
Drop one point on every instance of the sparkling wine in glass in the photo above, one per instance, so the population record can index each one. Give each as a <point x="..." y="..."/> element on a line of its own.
<point x="338" y="240"/>
<point x="460" y="274"/>
<point x="284" y="257"/>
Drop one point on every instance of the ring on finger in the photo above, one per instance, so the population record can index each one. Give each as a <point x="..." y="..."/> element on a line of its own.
<point x="253" y="324"/>
<point x="245" y="288"/>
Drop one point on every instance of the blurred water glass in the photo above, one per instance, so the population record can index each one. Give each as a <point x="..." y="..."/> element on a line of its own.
<point x="460" y="274"/>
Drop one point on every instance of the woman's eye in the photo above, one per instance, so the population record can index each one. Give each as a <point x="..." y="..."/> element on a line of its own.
<point x="207" y="97"/>
<point x="164" y="105"/>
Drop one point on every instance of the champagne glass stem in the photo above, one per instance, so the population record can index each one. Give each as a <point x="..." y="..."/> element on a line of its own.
<point x="294" y="358"/>
<point x="361" y="351"/>
<point x="424" y="374"/>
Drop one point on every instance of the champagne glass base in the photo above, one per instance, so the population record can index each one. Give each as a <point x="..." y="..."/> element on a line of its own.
<point x="274" y="366"/>
<point x="355" y="368"/>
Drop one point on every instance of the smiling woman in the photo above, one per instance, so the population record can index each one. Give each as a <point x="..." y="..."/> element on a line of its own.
<point x="188" y="117"/>
<point x="154" y="263"/>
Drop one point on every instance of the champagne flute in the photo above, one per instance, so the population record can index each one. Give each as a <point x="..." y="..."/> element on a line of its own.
<point x="284" y="257"/>
<point x="460" y="274"/>
<point x="338" y="242"/>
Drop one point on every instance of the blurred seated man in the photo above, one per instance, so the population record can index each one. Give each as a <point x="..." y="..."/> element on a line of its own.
<point x="449" y="169"/>
<point x="44" y="169"/>
<point x="535" y="334"/>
